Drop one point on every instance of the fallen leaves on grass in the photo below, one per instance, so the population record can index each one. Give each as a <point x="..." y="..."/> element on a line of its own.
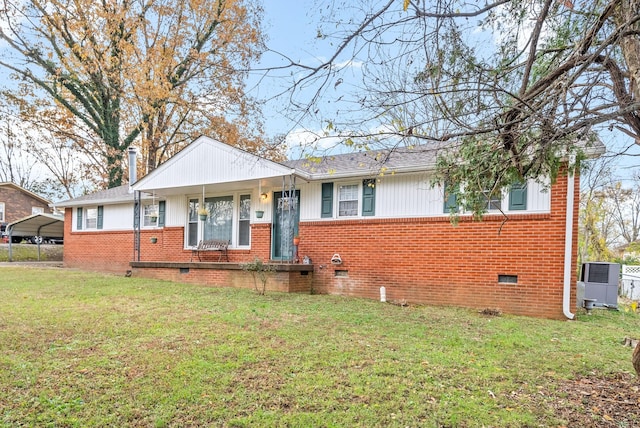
<point x="600" y="401"/>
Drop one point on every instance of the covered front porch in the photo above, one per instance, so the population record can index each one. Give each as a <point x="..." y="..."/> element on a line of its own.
<point x="286" y="277"/>
<point x="247" y="203"/>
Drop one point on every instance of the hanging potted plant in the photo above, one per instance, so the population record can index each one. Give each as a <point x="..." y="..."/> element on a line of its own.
<point x="153" y="214"/>
<point x="296" y="240"/>
<point x="259" y="213"/>
<point x="203" y="213"/>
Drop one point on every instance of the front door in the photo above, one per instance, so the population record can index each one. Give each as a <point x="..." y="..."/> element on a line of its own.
<point x="285" y="224"/>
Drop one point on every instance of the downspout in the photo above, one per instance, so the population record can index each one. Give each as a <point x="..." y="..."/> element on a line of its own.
<point x="568" y="247"/>
<point x="133" y="177"/>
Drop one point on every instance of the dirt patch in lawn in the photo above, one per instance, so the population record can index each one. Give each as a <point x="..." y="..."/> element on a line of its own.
<point x="599" y="401"/>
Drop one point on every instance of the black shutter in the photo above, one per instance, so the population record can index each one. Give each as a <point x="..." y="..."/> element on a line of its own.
<point x="100" y="216"/>
<point x="368" y="197"/>
<point x="327" y="200"/>
<point x="518" y="197"/>
<point x="161" y="213"/>
<point x="79" y="216"/>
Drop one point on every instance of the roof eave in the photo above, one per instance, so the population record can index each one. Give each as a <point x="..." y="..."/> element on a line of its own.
<point x="288" y="172"/>
<point x="319" y="176"/>
<point x="87" y="202"/>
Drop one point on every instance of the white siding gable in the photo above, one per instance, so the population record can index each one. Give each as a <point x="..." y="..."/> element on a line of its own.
<point x="207" y="161"/>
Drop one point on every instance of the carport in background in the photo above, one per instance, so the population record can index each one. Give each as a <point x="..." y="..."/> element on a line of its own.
<point x="36" y="225"/>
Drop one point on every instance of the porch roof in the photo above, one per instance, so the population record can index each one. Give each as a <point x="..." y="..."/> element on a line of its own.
<point x="372" y="162"/>
<point x="210" y="163"/>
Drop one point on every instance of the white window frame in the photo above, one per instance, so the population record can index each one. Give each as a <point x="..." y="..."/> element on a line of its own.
<point x="358" y="191"/>
<point x="499" y="198"/>
<point x="246" y="219"/>
<point x="235" y="226"/>
<point x="86" y="217"/>
<point x="147" y="211"/>
<point x="189" y="220"/>
<point x="2" y="216"/>
<point x="502" y="198"/>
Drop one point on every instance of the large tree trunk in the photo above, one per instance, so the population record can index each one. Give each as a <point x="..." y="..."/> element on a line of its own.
<point x="630" y="45"/>
<point x="625" y="13"/>
<point x="636" y="358"/>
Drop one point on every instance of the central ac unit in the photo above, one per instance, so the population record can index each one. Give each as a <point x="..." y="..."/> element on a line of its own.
<point x="599" y="282"/>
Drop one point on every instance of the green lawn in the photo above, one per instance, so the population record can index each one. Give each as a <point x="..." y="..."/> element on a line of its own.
<point x="83" y="349"/>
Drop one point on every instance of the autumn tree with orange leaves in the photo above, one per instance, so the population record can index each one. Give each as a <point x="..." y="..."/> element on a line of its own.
<point x="116" y="73"/>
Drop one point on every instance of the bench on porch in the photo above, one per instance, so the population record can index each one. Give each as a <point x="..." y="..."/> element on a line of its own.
<point x="211" y="245"/>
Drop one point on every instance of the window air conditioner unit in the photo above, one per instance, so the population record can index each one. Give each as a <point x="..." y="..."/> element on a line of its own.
<point x="599" y="282"/>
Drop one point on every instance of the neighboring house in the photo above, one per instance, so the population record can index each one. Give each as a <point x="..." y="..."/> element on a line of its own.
<point x="631" y="251"/>
<point x="359" y="231"/>
<point x="17" y="202"/>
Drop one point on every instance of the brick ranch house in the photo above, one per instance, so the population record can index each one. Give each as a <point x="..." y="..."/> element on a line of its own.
<point x="358" y="231"/>
<point x="17" y="202"/>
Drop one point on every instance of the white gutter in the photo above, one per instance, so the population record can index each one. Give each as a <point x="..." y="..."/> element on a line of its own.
<point x="318" y="176"/>
<point x="568" y="243"/>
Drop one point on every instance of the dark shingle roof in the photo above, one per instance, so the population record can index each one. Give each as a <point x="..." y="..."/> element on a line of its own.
<point x="415" y="158"/>
<point x="113" y="195"/>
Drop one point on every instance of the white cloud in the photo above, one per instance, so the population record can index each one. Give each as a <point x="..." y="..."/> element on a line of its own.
<point x="301" y="142"/>
<point x="509" y="26"/>
<point x="348" y="64"/>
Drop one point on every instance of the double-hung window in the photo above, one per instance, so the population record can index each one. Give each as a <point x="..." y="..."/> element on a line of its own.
<point x="244" y="221"/>
<point x="517" y="198"/>
<point x="352" y="199"/>
<point x="153" y="215"/>
<point x="150" y="215"/>
<point x="451" y="198"/>
<point x="89" y="218"/>
<point x="192" y="227"/>
<point x="493" y="200"/>
<point x="347" y="200"/>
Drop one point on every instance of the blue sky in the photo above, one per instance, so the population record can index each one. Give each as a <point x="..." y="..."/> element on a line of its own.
<point x="290" y="31"/>
<point x="292" y="28"/>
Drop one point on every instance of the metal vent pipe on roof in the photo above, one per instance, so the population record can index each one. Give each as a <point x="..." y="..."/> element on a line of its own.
<point x="132" y="166"/>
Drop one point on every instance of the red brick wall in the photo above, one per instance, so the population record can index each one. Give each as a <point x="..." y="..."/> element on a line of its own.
<point x="420" y="260"/>
<point x="18" y="204"/>
<point x="96" y="250"/>
<point x="292" y="282"/>
<point x="428" y="260"/>
<point x="111" y="251"/>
